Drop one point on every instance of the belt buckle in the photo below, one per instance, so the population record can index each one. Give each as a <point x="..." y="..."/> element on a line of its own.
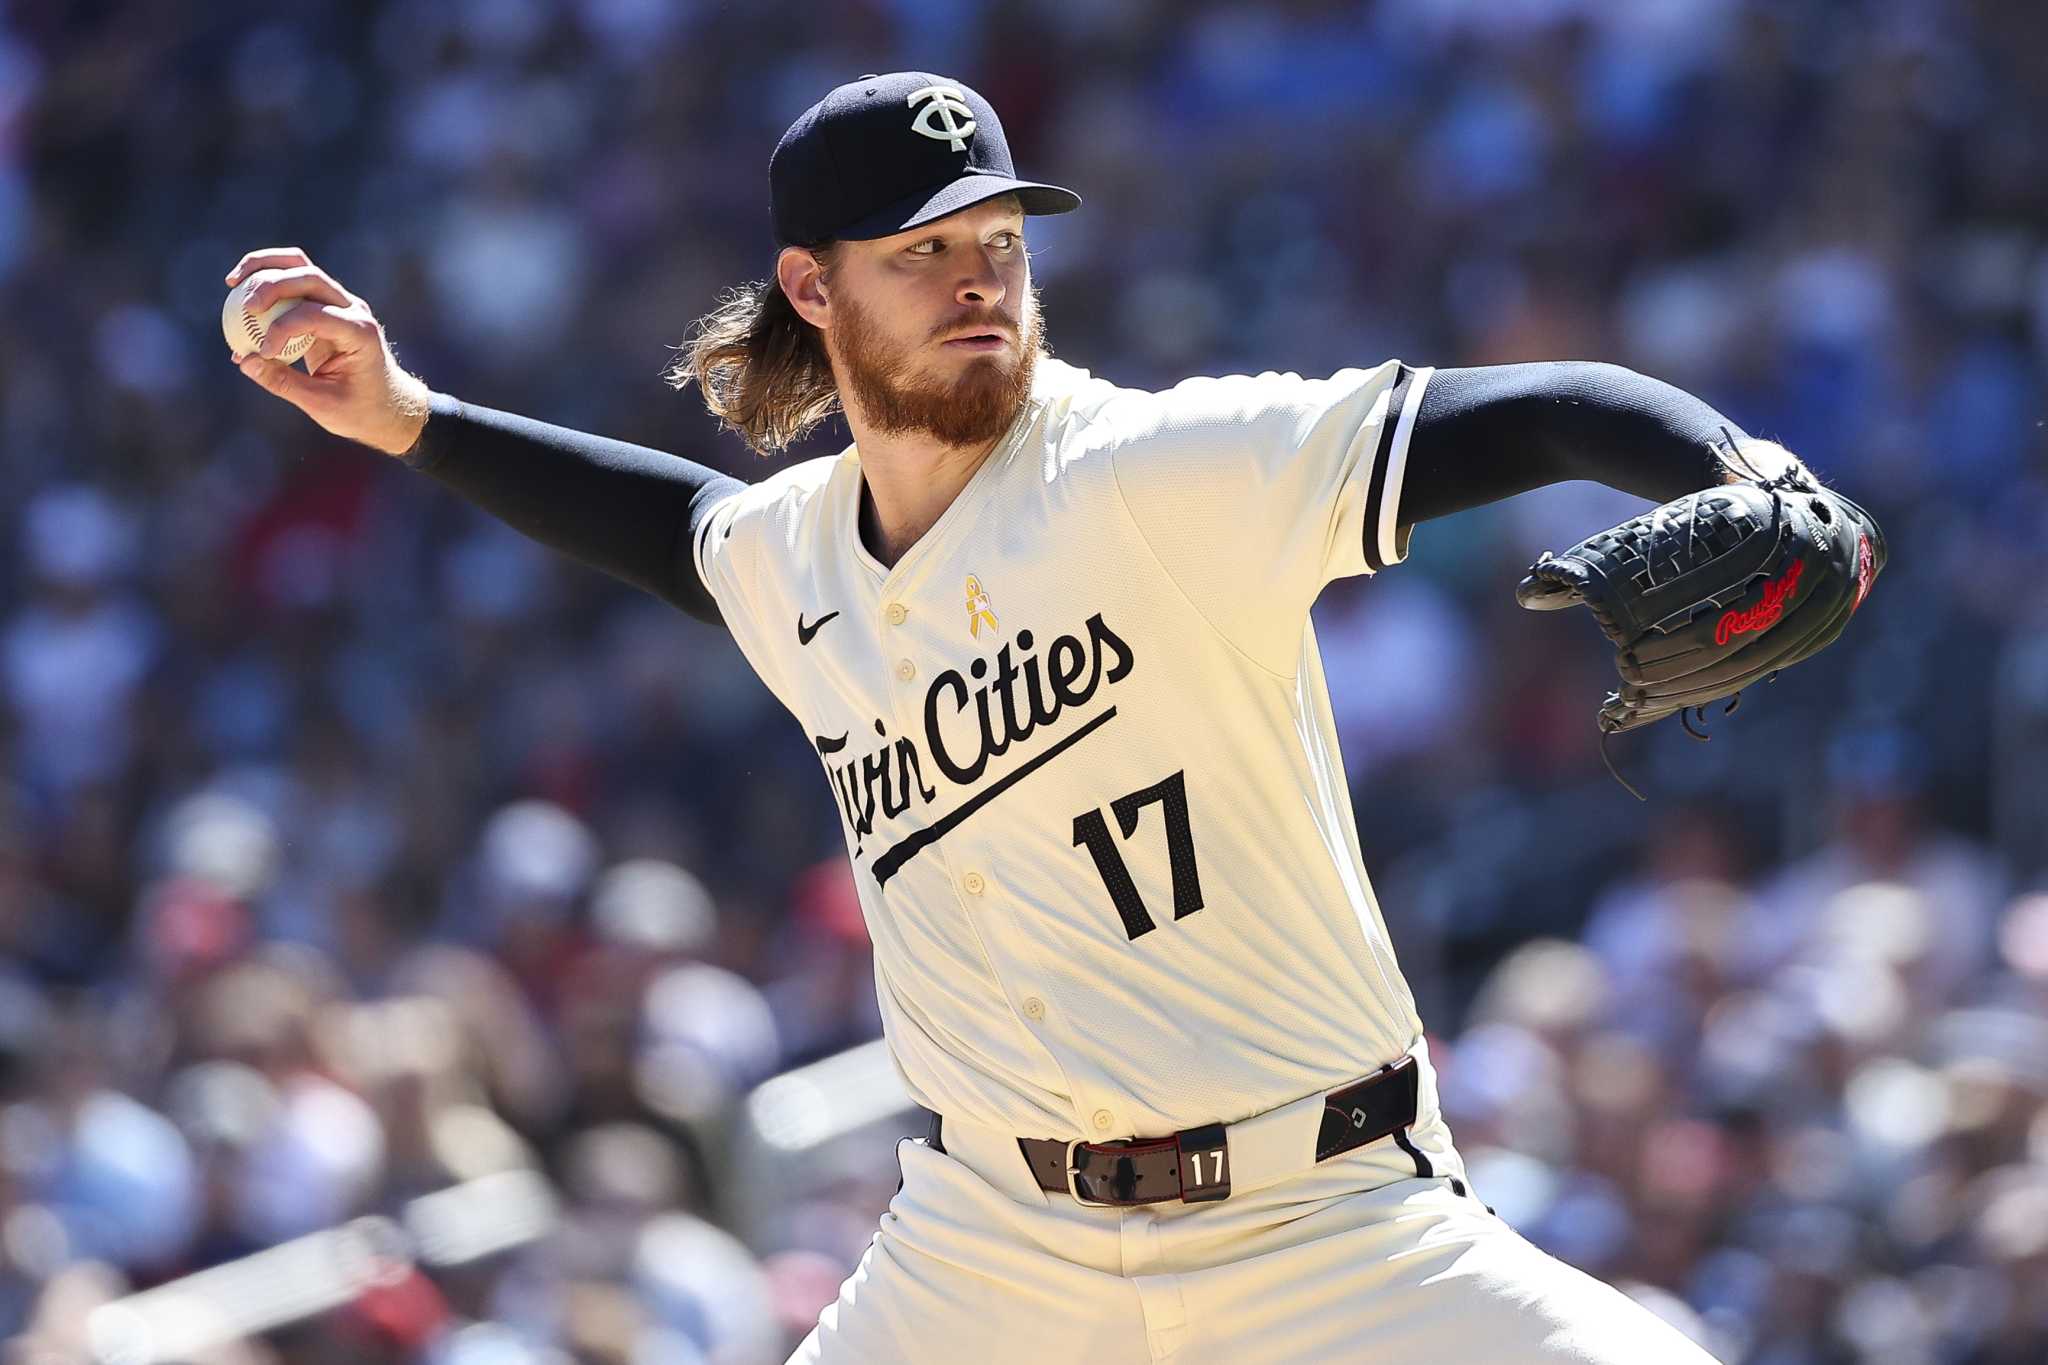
<point x="1073" y="1186"/>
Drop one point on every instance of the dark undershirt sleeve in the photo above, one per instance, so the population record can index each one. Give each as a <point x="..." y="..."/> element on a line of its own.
<point x="1489" y="432"/>
<point x="625" y="509"/>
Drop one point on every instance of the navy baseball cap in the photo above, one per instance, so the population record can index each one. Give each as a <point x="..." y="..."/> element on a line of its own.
<point x="885" y="153"/>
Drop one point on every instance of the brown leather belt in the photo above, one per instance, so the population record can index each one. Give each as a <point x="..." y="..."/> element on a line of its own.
<point x="1194" y="1165"/>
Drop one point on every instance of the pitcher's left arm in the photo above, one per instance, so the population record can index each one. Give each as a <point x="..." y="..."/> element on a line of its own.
<point x="1489" y="432"/>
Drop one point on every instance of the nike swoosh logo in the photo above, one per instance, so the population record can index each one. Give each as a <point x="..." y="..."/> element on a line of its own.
<point x="830" y="746"/>
<point x="805" y="632"/>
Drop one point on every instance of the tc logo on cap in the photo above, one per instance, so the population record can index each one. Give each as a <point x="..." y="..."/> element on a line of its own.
<point x="846" y="170"/>
<point x="946" y="103"/>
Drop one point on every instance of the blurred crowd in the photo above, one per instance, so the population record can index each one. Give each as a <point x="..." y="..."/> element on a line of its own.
<point x="353" y="848"/>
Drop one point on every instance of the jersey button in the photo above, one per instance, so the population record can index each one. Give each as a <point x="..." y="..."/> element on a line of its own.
<point x="972" y="884"/>
<point x="905" y="669"/>
<point x="897" y="613"/>
<point x="1034" y="1007"/>
<point x="1104" y="1120"/>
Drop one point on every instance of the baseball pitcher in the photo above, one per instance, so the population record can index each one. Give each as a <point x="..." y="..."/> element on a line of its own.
<point x="1050" y="639"/>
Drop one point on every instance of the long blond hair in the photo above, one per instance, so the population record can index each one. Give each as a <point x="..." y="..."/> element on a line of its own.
<point x="763" y="368"/>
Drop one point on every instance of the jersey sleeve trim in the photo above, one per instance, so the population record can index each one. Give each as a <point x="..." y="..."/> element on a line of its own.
<point x="707" y="501"/>
<point x="1383" y="544"/>
<point x="715" y="519"/>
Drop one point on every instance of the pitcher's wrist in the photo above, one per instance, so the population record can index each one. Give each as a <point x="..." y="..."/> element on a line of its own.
<point x="412" y="402"/>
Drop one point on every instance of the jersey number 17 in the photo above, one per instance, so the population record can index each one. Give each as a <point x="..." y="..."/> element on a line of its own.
<point x="1092" y="830"/>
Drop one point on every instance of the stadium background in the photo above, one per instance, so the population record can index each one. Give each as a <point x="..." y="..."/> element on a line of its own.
<point x="353" y="849"/>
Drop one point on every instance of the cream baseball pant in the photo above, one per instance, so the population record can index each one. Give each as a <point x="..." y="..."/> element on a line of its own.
<point x="1354" y="1259"/>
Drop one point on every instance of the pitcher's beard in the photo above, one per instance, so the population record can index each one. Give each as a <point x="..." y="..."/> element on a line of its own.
<point x="971" y="409"/>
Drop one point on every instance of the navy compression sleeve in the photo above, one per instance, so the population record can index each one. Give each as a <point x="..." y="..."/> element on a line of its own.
<point x="625" y="509"/>
<point x="1491" y="431"/>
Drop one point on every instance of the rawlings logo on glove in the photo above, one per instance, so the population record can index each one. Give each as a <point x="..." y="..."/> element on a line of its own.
<point x="1669" y="589"/>
<point x="1764" y="614"/>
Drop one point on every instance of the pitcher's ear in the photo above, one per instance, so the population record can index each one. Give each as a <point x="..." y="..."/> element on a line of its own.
<point x="802" y="277"/>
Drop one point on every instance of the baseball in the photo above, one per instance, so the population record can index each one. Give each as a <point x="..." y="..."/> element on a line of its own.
<point x="245" y="330"/>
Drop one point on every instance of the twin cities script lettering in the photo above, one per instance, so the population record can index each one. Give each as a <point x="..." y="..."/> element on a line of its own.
<point x="967" y="723"/>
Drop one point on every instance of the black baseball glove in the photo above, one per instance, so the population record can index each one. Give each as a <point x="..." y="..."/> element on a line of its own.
<point x="1707" y="594"/>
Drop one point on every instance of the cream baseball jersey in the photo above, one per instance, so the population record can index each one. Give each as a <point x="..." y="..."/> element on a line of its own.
<point x="1080" y="740"/>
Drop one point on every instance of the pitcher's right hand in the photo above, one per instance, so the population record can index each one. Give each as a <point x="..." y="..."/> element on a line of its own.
<point x="353" y="385"/>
